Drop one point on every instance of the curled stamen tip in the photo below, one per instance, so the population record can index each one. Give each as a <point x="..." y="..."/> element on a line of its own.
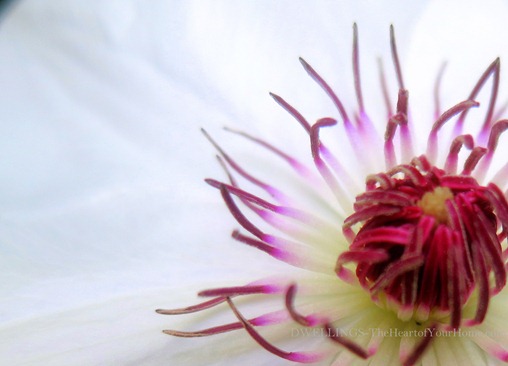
<point x="326" y="122"/>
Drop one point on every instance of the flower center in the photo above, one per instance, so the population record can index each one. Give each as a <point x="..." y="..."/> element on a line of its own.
<point x="433" y="203"/>
<point x="423" y="242"/>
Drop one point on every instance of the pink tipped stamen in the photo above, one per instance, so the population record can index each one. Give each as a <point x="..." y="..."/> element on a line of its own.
<point x="495" y="133"/>
<point x="307" y="321"/>
<point x="500" y="111"/>
<point x="474" y="158"/>
<point x="239" y="216"/>
<point x="437" y="89"/>
<point x="432" y="143"/>
<point x="395" y="58"/>
<point x="328" y="90"/>
<point x="263" y="320"/>
<point x="493" y="69"/>
<point x="384" y="89"/>
<point x="422" y="240"/>
<point x="352" y="132"/>
<point x="389" y="150"/>
<point x="301" y="357"/>
<point x="336" y="188"/>
<point x="453" y="156"/>
<point x="292" y="111"/>
<point x="327" y="155"/>
<point x="398" y="120"/>
<point x="285" y="251"/>
<point x="491" y="346"/>
<point x="406" y="142"/>
<point x="421" y="347"/>
<point x="293" y="162"/>
<point x="397" y="269"/>
<point x="303" y="218"/>
<point x="356" y="70"/>
<point x="353" y="347"/>
<point x="192" y="309"/>
<point x="277" y="247"/>
<point x="275" y="193"/>
<point x="258" y="244"/>
<point x="241" y="290"/>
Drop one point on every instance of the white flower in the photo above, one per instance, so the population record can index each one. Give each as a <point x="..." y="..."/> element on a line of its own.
<point x="104" y="215"/>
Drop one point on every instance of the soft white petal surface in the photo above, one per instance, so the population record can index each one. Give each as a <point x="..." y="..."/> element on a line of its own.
<point x="104" y="216"/>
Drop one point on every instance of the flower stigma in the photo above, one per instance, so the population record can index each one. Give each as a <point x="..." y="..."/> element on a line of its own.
<point x="419" y="249"/>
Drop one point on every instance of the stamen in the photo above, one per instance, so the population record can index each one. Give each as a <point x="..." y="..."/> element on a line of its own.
<point x="293" y="162"/>
<point x="328" y="90"/>
<point x="288" y="252"/>
<point x="239" y="216"/>
<point x="495" y="133"/>
<point x="258" y="244"/>
<point x="383" y="234"/>
<point x="421" y="347"/>
<point x="356" y="70"/>
<point x="396" y="269"/>
<point x="384" y="89"/>
<point x="437" y="88"/>
<point x="303" y="218"/>
<point x="336" y="188"/>
<point x="476" y="154"/>
<point x="395" y="58"/>
<point x="453" y="155"/>
<point x="345" y="342"/>
<point x="342" y="173"/>
<point x="241" y="290"/>
<point x="490" y="346"/>
<point x="307" y="321"/>
<point x="263" y="320"/>
<point x="275" y="193"/>
<point x="292" y="111"/>
<point x="399" y="119"/>
<point x="493" y="69"/>
<point x="445" y="117"/>
<point x="482" y="279"/>
<point x="192" y="309"/>
<point x="302" y="357"/>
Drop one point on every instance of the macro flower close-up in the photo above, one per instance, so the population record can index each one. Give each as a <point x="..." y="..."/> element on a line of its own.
<point x="256" y="182"/>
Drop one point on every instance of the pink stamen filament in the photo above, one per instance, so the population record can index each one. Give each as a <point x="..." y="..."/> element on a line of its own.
<point x="432" y="143"/>
<point x="301" y="357"/>
<point x="356" y="70"/>
<point x="493" y="69"/>
<point x="395" y="58"/>
<point x="421" y="347"/>
<point x="437" y="88"/>
<point x="263" y="320"/>
<point x="452" y="159"/>
<point x="275" y="193"/>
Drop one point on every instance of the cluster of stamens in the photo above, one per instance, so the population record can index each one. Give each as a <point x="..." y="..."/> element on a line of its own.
<point x="423" y="241"/>
<point x="428" y="240"/>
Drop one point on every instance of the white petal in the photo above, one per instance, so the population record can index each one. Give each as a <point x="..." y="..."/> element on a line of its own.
<point x="103" y="158"/>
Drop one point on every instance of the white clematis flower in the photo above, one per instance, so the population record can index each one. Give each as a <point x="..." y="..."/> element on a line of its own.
<point x="105" y="216"/>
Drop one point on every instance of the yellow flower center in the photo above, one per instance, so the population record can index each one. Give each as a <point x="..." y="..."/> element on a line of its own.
<point x="433" y="203"/>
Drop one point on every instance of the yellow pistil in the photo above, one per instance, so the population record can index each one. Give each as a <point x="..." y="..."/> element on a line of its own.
<point x="433" y="203"/>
